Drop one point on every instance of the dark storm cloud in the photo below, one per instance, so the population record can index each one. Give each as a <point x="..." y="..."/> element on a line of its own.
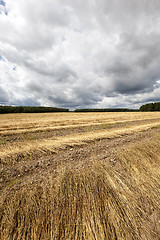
<point x="80" y="53"/>
<point x="137" y="68"/>
<point x="124" y="88"/>
<point x="61" y="72"/>
<point x="80" y="99"/>
<point x="27" y="102"/>
<point x="85" y="96"/>
<point x="35" y="87"/>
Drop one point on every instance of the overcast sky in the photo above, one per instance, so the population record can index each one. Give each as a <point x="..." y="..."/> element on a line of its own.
<point x="79" y="53"/>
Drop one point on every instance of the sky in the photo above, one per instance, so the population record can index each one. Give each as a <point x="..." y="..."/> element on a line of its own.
<point x="79" y="53"/>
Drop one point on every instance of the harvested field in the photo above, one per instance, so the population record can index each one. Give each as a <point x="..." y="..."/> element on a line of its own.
<point x="80" y="176"/>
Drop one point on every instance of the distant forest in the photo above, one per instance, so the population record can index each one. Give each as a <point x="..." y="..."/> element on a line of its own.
<point x="106" y="110"/>
<point x="150" y="107"/>
<point x="24" y="109"/>
<point x="143" y="108"/>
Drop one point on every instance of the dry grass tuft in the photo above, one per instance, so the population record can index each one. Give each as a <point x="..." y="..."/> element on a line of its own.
<point x="95" y="202"/>
<point x="81" y="206"/>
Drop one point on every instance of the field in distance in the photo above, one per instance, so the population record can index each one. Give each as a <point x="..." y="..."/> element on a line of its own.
<point x="80" y="175"/>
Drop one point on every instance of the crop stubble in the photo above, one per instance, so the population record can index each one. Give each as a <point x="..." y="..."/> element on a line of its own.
<point x="80" y="176"/>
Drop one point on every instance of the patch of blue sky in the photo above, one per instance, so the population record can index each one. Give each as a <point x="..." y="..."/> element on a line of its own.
<point x="1" y="58"/>
<point x="3" y="10"/>
<point x="14" y="68"/>
<point x="2" y="3"/>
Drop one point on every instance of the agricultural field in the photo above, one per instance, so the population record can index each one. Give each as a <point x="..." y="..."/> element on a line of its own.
<point x="80" y="176"/>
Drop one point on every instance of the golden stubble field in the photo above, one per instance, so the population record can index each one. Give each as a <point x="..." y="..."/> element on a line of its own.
<point x="80" y="176"/>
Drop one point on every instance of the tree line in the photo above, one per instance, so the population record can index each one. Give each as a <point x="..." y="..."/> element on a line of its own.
<point x="27" y="109"/>
<point x="150" y="107"/>
<point x="143" y="108"/>
<point x="106" y="110"/>
<point x="24" y="109"/>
